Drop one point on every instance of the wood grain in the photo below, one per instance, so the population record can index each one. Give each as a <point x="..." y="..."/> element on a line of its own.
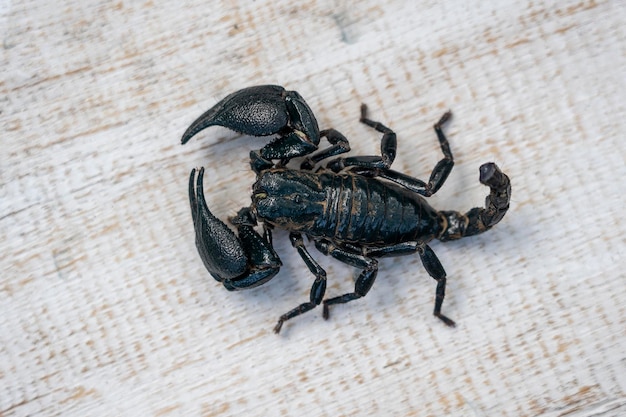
<point x="106" y="308"/>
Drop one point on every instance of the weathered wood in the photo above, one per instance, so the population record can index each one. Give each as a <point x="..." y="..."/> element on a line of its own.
<point x="105" y="306"/>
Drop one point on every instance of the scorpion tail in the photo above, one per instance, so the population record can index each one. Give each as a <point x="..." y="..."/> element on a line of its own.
<point x="478" y="219"/>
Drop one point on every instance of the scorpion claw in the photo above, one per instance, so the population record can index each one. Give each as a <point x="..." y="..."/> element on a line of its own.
<point x="238" y="262"/>
<point x="262" y="111"/>
<point x="221" y="251"/>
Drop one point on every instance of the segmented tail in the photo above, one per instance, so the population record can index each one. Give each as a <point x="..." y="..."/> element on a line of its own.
<point x="478" y="219"/>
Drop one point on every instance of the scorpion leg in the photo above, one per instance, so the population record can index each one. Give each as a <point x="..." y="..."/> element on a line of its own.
<point x="388" y="147"/>
<point x="444" y="167"/>
<point x="437" y="177"/>
<point x="431" y="264"/>
<point x="339" y="145"/>
<point x="435" y="269"/>
<point x="238" y="262"/>
<point x="364" y="281"/>
<point x="317" y="290"/>
<point x="480" y="219"/>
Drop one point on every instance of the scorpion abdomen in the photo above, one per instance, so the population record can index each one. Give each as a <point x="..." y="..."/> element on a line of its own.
<point x="372" y="212"/>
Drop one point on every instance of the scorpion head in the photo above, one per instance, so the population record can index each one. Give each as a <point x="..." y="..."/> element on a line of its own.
<point x="288" y="199"/>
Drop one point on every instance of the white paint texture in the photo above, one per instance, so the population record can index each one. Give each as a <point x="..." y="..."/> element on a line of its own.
<point x="105" y="306"/>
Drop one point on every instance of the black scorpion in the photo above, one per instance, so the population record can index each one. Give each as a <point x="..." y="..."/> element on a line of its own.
<point x="355" y="209"/>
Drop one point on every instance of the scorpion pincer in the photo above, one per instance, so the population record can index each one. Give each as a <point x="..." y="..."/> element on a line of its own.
<point x="355" y="209"/>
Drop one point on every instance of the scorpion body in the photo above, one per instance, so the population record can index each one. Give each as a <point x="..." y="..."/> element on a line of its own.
<point x="343" y="208"/>
<point x="355" y="209"/>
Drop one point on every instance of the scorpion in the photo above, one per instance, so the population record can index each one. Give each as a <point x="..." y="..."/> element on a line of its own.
<point x="355" y="209"/>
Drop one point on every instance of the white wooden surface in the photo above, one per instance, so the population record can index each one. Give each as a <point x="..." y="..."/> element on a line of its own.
<point x="106" y="309"/>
